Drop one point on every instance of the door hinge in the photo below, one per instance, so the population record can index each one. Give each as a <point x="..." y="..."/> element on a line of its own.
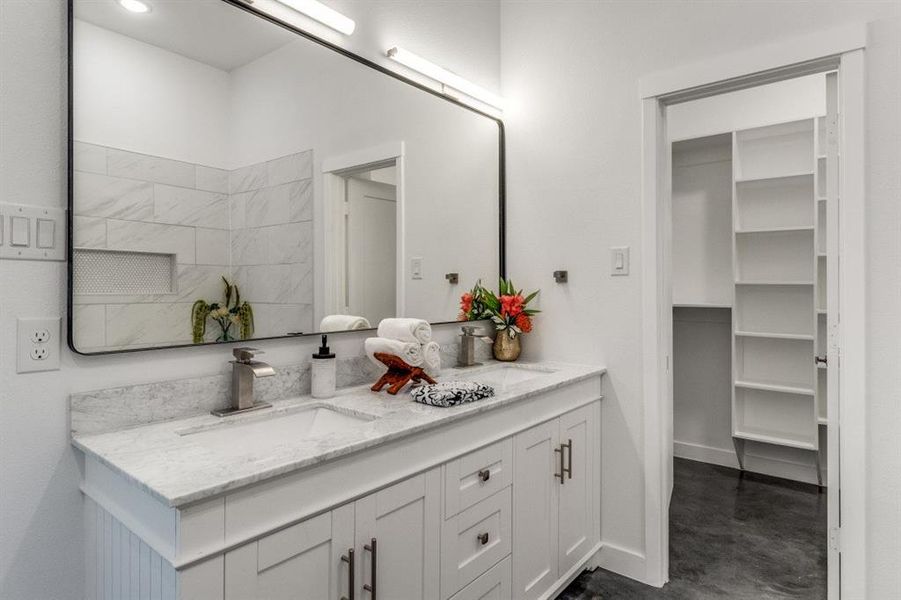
<point x="835" y="539"/>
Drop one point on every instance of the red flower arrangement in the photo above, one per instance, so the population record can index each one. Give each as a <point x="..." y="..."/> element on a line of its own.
<point x="472" y="304"/>
<point x="508" y="309"/>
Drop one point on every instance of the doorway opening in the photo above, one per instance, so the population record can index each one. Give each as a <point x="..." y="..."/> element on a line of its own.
<point x="749" y="260"/>
<point x="842" y="56"/>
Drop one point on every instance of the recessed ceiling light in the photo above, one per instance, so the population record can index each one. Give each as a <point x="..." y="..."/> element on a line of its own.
<point x="135" y="6"/>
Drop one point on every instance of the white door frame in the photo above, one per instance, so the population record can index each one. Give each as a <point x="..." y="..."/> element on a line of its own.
<point x="841" y="48"/>
<point x="333" y="182"/>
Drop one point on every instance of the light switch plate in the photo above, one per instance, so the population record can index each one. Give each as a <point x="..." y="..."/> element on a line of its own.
<point x="416" y="267"/>
<point x="32" y="232"/>
<point x="619" y="260"/>
<point x="38" y="345"/>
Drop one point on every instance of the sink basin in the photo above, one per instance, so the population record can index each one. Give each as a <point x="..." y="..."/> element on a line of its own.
<point x="501" y="377"/>
<point x="271" y="430"/>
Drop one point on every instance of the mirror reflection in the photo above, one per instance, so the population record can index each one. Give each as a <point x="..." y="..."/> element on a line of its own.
<point x="234" y="180"/>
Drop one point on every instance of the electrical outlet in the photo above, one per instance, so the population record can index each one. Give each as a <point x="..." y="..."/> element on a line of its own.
<point x="38" y="345"/>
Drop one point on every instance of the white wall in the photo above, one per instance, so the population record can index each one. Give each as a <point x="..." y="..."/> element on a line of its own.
<point x="40" y="505"/>
<point x="884" y="314"/>
<point x="172" y="106"/>
<point x="570" y="75"/>
<point x="780" y="102"/>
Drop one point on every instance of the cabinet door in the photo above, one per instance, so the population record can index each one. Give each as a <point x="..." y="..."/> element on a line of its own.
<point x="578" y="522"/>
<point x="300" y="562"/>
<point x="404" y="520"/>
<point x="535" y="509"/>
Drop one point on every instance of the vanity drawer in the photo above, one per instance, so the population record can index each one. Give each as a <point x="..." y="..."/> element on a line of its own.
<point x="495" y="584"/>
<point x="476" y="476"/>
<point x="474" y="540"/>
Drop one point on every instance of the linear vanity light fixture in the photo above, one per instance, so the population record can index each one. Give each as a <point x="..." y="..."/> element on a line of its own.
<point x="322" y="13"/>
<point x="443" y="76"/>
<point x="135" y="6"/>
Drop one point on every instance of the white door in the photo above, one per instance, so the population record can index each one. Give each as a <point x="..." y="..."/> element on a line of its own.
<point x="397" y="540"/>
<point x="833" y="417"/>
<point x="577" y="531"/>
<point x="536" y="461"/>
<point x="371" y="240"/>
<point x="302" y="562"/>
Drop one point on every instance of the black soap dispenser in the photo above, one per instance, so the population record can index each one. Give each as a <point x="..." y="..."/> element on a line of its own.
<point x="324" y="371"/>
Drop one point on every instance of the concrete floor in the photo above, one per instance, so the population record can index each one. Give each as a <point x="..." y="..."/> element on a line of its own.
<point x="754" y="537"/>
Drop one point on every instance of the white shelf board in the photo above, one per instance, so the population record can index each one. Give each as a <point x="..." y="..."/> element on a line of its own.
<point x="822" y="366"/>
<point x="772" y="439"/>
<point x="761" y="282"/>
<point x="700" y="305"/>
<point x="821" y="255"/>
<point x="788" y="228"/>
<point x="774" y="336"/>
<point x="774" y="387"/>
<point x="822" y="421"/>
<point x="775" y="176"/>
<point x="822" y="311"/>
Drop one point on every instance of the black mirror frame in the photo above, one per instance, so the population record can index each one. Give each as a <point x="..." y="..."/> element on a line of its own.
<point x="70" y="305"/>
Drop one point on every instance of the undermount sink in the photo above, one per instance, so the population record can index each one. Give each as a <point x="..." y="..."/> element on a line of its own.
<point x="275" y="429"/>
<point x="501" y="377"/>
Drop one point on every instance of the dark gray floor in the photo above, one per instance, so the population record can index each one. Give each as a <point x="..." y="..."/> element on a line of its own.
<point x="740" y="538"/>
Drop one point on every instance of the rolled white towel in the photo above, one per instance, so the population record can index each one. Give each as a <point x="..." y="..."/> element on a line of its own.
<point x="431" y="358"/>
<point x="409" y="352"/>
<point x="406" y="330"/>
<point x="343" y="323"/>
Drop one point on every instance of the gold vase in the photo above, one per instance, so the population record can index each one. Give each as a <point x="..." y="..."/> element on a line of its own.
<point x="506" y="348"/>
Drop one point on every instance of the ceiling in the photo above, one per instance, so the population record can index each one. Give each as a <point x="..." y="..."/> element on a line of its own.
<point x="208" y="31"/>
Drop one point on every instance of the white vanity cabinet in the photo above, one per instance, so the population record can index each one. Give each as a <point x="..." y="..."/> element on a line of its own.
<point x="389" y="539"/>
<point x="503" y="504"/>
<point x="556" y="509"/>
<point x="301" y="561"/>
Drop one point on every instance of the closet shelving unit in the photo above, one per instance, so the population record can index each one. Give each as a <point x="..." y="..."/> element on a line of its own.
<point x="778" y="285"/>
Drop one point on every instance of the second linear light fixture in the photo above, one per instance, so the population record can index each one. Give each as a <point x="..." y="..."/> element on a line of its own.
<point x="445" y="77"/>
<point x="322" y="13"/>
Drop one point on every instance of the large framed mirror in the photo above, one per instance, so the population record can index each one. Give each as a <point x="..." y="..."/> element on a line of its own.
<point x="234" y="178"/>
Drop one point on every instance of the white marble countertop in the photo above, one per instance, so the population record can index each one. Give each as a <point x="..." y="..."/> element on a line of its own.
<point x="176" y="469"/>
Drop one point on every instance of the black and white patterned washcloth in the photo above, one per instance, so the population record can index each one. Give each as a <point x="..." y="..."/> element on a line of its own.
<point x="451" y="393"/>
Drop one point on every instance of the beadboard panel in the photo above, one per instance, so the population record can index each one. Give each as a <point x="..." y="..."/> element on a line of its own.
<point x="119" y="566"/>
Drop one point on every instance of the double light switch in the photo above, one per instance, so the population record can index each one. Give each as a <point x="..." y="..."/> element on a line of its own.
<point x="32" y="232"/>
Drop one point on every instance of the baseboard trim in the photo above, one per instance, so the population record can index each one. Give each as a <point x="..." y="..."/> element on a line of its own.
<point x="622" y="561"/>
<point x="774" y="467"/>
<point x="705" y="454"/>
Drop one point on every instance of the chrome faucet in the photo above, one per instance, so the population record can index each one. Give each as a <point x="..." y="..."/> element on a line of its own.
<point x="244" y="371"/>
<point x="467" y="355"/>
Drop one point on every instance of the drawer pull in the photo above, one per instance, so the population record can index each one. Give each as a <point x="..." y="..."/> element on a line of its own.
<point x="569" y="463"/>
<point x="370" y="587"/>
<point x="483" y="538"/>
<point x="485" y="475"/>
<point x="349" y="559"/>
<point x="562" y="474"/>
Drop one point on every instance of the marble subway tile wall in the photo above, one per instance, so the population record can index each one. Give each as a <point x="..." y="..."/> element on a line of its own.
<point x="132" y="202"/>
<point x="272" y="241"/>
<point x="252" y="224"/>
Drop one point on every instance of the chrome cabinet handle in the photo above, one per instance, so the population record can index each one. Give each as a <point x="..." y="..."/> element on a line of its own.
<point x="485" y="475"/>
<point x="569" y="468"/>
<point x="483" y="538"/>
<point x="349" y="559"/>
<point x="373" y="548"/>
<point x="562" y="473"/>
